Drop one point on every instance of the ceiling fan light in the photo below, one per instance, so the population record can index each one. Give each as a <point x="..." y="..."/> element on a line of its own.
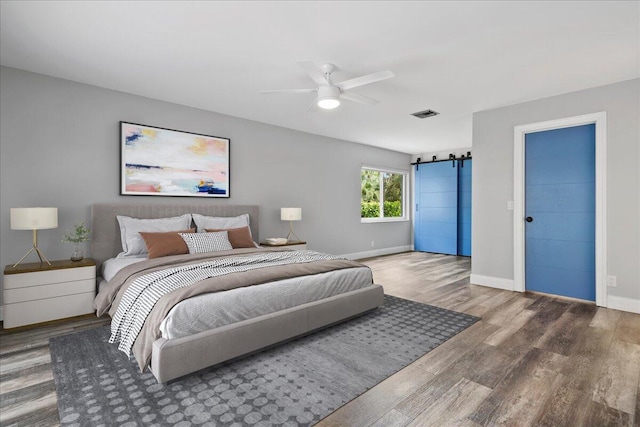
<point x="328" y="97"/>
<point x="328" y="103"/>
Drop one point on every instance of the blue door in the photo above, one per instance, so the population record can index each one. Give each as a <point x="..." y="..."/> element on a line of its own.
<point x="464" y="207"/>
<point x="436" y="222"/>
<point x="560" y="212"/>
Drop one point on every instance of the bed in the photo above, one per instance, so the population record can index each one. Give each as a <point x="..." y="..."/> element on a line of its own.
<point x="173" y="356"/>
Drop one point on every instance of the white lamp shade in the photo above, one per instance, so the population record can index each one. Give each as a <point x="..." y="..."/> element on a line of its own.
<point x="291" y="214"/>
<point x="34" y="218"/>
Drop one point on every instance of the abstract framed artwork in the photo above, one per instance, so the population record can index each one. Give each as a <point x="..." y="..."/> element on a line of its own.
<point x="165" y="162"/>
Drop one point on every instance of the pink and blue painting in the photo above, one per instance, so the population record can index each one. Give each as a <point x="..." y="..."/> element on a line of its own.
<point x="164" y="162"/>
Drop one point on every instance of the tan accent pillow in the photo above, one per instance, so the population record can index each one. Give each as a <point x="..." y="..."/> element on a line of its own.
<point x="166" y="243"/>
<point x="239" y="237"/>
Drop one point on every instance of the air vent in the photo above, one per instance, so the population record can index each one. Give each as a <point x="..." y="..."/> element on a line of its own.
<point x="426" y="113"/>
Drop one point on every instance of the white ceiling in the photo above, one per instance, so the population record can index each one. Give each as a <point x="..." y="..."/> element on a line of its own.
<point x="454" y="57"/>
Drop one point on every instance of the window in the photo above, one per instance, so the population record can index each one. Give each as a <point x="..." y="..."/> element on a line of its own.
<point x="383" y="195"/>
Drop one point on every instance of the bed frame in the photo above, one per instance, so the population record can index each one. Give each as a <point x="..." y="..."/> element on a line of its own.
<point x="174" y="358"/>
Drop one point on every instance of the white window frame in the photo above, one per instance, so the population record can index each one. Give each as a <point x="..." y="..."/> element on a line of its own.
<point x="405" y="186"/>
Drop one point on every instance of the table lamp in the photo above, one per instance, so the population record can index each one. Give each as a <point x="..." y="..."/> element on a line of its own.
<point x="291" y="214"/>
<point x="34" y="219"/>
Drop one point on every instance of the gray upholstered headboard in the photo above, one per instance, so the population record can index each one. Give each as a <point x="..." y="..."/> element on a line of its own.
<point x="105" y="241"/>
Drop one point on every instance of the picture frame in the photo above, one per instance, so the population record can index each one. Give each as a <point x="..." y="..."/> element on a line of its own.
<point x="157" y="161"/>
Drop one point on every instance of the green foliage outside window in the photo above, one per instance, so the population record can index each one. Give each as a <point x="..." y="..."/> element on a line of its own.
<point x="392" y="209"/>
<point x="370" y="210"/>
<point x="370" y="186"/>
<point x="392" y="188"/>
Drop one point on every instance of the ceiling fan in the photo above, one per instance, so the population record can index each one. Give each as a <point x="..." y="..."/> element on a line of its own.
<point x="329" y="94"/>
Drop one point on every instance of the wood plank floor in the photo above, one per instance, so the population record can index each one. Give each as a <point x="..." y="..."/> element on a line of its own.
<point x="532" y="360"/>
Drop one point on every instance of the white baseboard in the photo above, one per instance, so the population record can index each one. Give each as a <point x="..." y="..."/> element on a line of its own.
<point x="378" y="252"/>
<point x="623" y="304"/>
<point x="492" y="282"/>
<point x="617" y="303"/>
<point x="1" y="313"/>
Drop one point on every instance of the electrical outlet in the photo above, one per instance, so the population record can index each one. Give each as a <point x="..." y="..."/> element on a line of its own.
<point x="373" y="243"/>
<point x="510" y="205"/>
<point x="612" y="281"/>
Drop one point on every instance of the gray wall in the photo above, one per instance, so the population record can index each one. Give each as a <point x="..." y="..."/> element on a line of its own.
<point x="59" y="146"/>
<point x="493" y="178"/>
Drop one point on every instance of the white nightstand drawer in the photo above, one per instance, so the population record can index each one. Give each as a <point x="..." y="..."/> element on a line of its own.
<point x="12" y="281"/>
<point x="39" y="292"/>
<point x="43" y="310"/>
<point x="32" y="293"/>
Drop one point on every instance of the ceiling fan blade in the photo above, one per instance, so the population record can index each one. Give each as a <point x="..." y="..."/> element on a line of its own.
<point x="365" y="80"/>
<point x="289" y="91"/>
<point x="313" y="107"/>
<point x="313" y="72"/>
<point x="358" y="98"/>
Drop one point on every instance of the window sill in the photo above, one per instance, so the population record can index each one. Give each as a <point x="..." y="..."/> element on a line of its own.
<point x="375" y="220"/>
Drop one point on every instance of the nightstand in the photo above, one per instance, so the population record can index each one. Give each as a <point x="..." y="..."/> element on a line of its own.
<point x="296" y="246"/>
<point x="36" y="292"/>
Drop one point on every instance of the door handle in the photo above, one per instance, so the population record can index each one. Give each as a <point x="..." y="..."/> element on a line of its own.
<point x="529" y="219"/>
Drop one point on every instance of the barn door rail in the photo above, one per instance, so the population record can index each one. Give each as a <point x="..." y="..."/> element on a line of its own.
<point x="452" y="158"/>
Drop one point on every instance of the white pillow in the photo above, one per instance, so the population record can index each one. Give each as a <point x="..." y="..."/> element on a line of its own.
<point x="199" y="243"/>
<point x="220" y="222"/>
<point x="130" y="228"/>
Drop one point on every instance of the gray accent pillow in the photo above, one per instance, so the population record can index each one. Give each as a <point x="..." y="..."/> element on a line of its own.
<point x="199" y="243"/>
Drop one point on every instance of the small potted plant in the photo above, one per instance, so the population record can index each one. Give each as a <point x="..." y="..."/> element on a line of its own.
<point x="79" y="235"/>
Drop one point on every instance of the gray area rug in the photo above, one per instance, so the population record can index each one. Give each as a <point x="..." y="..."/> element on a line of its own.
<point x="295" y="384"/>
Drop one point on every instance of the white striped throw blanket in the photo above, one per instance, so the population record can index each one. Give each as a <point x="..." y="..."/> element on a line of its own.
<point x="145" y="291"/>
